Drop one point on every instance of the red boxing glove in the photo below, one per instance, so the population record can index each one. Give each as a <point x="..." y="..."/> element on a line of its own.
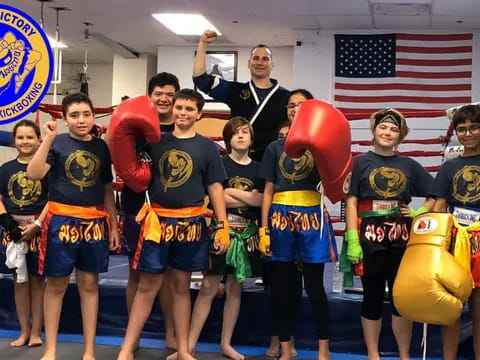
<point x="323" y="130"/>
<point x="132" y="118"/>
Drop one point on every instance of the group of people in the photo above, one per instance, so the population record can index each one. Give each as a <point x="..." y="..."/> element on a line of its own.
<point x="58" y="202"/>
<point x="378" y="219"/>
<point x="58" y="215"/>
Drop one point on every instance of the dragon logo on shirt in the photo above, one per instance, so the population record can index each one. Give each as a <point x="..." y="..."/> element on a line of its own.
<point x="387" y="182"/>
<point x="22" y="191"/>
<point x="296" y="169"/>
<point x="466" y="184"/>
<point x="241" y="183"/>
<point x="82" y="168"/>
<point x="176" y="167"/>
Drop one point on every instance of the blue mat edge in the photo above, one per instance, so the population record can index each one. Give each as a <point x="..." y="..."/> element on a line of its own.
<point x="203" y="347"/>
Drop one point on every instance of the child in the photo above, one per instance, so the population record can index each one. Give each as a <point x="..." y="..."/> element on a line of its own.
<point x="456" y="190"/>
<point x="284" y="127"/>
<point x="383" y="183"/>
<point x="161" y="89"/>
<point x="81" y="224"/>
<point x="291" y="213"/>
<point x="186" y="166"/>
<point x="273" y="350"/>
<point x="24" y="199"/>
<point x="243" y="208"/>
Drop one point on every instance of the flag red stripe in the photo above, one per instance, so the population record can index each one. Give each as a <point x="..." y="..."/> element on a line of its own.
<point x="409" y="99"/>
<point x="358" y="114"/>
<point x="434" y="37"/>
<point x="414" y="153"/>
<point x="430" y="141"/>
<point x="432" y="168"/>
<point x="434" y="50"/>
<point x="394" y="86"/>
<point x="434" y="75"/>
<point x="421" y="62"/>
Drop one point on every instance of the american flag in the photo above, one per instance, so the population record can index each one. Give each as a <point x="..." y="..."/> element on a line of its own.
<point x="407" y="72"/>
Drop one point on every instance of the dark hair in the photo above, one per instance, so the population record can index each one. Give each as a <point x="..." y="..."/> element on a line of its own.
<point x="466" y="112"/>
<point x="162" y="79"/>
<point x="190" y="94"/>
<point x="261" y="46"/>
<point x="283" y="124"/>
<point x="231" y="128"/>
<point x="26" y="123"/>
<point x="306" y="94"/>
<point x="74" y="99"/>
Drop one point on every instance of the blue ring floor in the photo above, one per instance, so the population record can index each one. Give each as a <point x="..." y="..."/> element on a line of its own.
<point x="108" y="347"/>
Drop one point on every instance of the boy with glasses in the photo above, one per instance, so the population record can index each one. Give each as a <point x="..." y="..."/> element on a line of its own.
<point x="457" y="190"/>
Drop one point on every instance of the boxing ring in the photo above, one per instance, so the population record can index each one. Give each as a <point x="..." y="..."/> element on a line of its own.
<point x="252" y="331"/>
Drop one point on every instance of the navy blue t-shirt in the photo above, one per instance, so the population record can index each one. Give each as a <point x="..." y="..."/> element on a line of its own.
<point x="458" y="181"/>
<point x="79" y="171"/>
<point x="21" y="195"/>
<point x="396" y="177"/>
<point x="182" y="170"/>
<point x="243" y="177"/>
<point x="262" y="93"/>
<point x="285" y="173"/>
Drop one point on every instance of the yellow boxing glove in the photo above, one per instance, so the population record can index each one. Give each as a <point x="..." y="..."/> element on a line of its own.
<point x="264" y="244"/>
<point x="431" y="286"/>
<point x="221" y="239"/>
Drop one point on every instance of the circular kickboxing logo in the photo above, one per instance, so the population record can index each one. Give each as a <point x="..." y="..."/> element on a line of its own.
<point x="26" y="64"/>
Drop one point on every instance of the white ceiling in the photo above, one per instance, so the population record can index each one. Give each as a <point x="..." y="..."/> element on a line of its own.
<point x="242" y="22"/>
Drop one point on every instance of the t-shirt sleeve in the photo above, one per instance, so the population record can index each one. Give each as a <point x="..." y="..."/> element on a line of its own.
<point x="2" y="180"/>
<point x="51" y="155"/>
<point x="107" y="176"/>
<point x="45" y="182"/>
<point x="422" y="180"/>
<point x="441" y="183"/>
<point x="355" y="183"/>
<point x="268" y="165"/>
<point x="259" y="184"/>
<point x="215" y="169"/>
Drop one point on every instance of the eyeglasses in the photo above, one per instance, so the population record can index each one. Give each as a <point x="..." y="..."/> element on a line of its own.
<point x="292" y="106"/>
<point x="473" y="130"/>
